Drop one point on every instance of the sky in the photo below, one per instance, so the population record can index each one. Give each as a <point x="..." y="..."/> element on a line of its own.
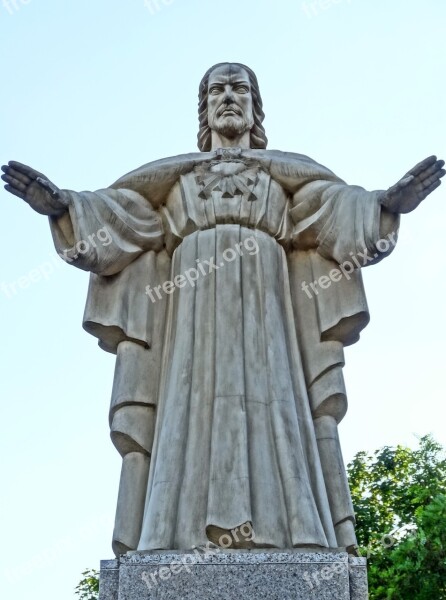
<point x="92" y="90"/>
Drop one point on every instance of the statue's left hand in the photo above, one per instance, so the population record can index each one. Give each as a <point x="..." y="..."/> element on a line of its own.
<point x="419" y="182"/>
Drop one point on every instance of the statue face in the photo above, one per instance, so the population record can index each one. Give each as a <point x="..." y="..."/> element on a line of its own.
<point x="230" y="101"/>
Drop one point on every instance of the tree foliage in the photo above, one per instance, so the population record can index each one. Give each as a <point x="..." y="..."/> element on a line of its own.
<point x="88" y="587"/>
<point x="399" y="497"/>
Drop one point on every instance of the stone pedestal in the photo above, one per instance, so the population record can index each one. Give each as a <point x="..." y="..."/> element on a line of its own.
<point x="240" y="575"/>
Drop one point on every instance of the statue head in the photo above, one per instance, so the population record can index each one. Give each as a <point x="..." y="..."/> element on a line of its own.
<point x="230" y="113"/>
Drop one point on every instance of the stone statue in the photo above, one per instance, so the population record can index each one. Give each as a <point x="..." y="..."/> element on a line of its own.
<point x="229" y="288"/>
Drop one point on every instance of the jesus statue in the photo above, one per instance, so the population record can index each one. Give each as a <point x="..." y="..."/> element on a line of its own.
<point x="230" y="286"/>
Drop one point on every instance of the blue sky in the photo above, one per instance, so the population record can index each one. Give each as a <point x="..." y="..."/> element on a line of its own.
<point x="92" y="90"/>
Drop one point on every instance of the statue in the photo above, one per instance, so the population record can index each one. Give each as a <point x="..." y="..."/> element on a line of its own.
<point x="228" y="291"/>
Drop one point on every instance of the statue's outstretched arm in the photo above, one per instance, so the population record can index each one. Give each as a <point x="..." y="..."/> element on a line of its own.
<point x="101" y="232"/>
<point x="415" y="186"/>
<point x="35" y="189"/>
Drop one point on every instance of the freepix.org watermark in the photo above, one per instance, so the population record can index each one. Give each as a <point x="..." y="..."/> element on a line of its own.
<point x="313" y="8"/>
<point x="155" y="6"/>
<point x="204" y="267"/>
<point x="44" y="271"/>
<point x="359" y="260"/>
<point x="245" y="532"/>
<point x="12" y="6"/>
<point x="387" y="541"/>
<point x="83" y="246"/>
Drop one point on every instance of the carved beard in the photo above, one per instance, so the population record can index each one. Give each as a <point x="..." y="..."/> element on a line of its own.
<point x="232" y="126"/>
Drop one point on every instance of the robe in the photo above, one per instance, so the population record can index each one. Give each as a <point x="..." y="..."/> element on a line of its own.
<point x="228" y="384"/>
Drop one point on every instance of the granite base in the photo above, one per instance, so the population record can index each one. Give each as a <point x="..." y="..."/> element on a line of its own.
<point x="240" y="575"/>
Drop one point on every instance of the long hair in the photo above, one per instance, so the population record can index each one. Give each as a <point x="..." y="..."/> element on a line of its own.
<point x="258" y="137"/>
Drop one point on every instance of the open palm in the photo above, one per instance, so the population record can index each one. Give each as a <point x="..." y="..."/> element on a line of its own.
<point x="415" y="186"/>
<point x="33" y="187"/>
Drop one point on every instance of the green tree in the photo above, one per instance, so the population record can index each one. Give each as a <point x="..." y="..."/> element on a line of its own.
<point x="399" y="496"/>
<point x="88" y="587"/>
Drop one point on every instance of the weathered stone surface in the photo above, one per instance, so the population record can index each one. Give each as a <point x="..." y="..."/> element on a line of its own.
<point x="109" y="580"/>
<point x="241" y="575"/>
<point x="358" y="578"/>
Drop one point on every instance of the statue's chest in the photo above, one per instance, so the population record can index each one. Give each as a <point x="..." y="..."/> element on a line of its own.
<point x="231" y="192"/>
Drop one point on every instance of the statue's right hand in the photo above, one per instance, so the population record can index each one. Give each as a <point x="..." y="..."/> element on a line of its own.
<point x="33" y="187"/>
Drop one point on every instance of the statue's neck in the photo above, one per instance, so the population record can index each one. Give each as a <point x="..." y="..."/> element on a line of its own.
<point x="220" y="141"/>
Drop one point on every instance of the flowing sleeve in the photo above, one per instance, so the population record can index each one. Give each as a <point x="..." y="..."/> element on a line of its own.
<point x="117" y="236"/>
<point x="106" y="230"/>
<point x="343" y="221"/>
